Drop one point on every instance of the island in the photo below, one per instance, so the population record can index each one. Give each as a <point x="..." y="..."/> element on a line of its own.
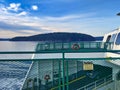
<point x="56" y="37"/>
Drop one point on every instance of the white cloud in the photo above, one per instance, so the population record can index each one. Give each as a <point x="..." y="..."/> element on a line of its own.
<point x="10" y="34"/>
<point x="22" y="13"/>
<point x="14" y="6"/>
<point x="82" y="23"/>
<point x="69" y="17"/>
<point x="3" y="9"/>
<point x="34" y="7"/>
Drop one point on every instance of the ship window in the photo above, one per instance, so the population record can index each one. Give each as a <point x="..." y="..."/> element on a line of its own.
<point x="108" y="38"/>
<point x="118" y="40"/>
<point x="113" y="38"/>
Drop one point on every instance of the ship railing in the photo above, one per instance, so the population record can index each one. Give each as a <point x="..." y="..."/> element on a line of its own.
<point x="63" y="58"/>
<point x="74" y="46"/>
<point x="97" y="84"/>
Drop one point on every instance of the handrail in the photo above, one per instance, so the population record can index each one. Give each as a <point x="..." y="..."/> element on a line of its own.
<point x="60" y="51"/>
<point x="82" y="47"/>
<point x="70" y="45"/>
<point x="93" y="84"/>
<point x="113" y="58"/>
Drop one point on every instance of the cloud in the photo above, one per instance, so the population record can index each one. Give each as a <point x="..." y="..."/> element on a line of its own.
<point x="14" y="7"/>
<point x="69" y="17"/>
<point x="23" y="13"/>
<point x="88" y="24"/>
<point x="3" y="9"/>
<point x="18" y="25"/>
<point x="28" y="31"/>
<point x="15" y="24"/>
<point x="11" y="34"/>
<point x="35" y="7"/>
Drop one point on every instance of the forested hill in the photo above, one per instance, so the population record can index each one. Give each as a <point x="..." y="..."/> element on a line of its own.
<point x="100" y="38"/>
<point x="56" y="37"/>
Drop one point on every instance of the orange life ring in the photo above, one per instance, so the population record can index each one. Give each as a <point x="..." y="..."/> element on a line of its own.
<point x="47" y="77"/>
<point x="75" y="46"/>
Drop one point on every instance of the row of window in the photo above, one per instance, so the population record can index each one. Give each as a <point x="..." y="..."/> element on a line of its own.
<point x="112" y="38"/>
<point x="118" y="39"/>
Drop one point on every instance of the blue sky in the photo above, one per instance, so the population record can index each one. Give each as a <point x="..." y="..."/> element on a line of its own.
<point x="30" y="17"/>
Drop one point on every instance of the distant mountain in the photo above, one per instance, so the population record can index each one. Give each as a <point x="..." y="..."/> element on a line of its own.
<point x="56" y="37"/>
<point x="99" y="38"/>
<point x="4" y="39"/>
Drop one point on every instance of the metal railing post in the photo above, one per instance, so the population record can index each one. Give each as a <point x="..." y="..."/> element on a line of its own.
<point x="38" y="76"/>
<point x="59" y="75"/>
<point x="67" y="77"/>
<point x="63" y="71"/>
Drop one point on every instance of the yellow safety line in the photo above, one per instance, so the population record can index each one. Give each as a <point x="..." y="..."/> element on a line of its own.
<point x="69" y="82"/>
<point x="76" y="79"/>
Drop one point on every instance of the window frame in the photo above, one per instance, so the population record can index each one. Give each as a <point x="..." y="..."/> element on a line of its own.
<point x="113" y="38"/>
<point x="108" y="38"/>
<point x="117" y="42"/>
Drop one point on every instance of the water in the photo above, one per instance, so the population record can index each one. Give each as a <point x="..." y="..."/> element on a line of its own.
<point x="12" y="73"/>
<point x="15" y="46"/>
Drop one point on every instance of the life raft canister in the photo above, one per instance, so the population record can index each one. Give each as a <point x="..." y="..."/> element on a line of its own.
<point x="47" y="77"/>
<point x="75" y="46"/>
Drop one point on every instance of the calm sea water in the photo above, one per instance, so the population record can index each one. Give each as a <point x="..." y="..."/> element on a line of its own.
<point x="15" y="46"/>
<point x="12" y="73"/>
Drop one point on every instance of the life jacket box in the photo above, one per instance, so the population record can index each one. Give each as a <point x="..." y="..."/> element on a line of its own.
<point x="88" y="66"/>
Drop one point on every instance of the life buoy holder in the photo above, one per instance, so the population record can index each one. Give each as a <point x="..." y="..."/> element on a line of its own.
<point x="47" y="77"/>
<point x="75" y="46"/>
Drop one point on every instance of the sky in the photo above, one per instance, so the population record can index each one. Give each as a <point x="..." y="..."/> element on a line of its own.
<point x="31" y="17"/>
